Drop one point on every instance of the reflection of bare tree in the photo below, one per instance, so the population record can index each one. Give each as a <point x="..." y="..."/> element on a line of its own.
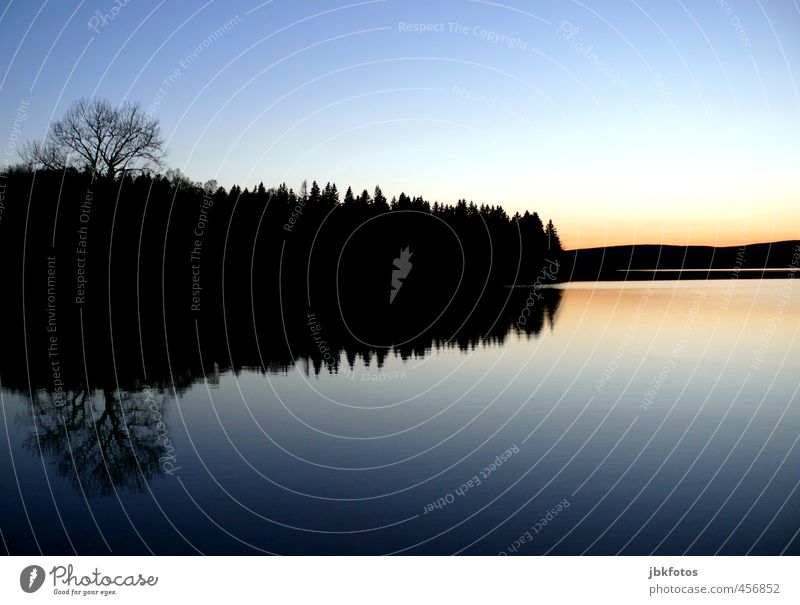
<point x="100" y="447"/>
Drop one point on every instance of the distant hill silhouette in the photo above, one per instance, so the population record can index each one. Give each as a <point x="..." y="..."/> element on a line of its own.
<point x="680" y="262"/>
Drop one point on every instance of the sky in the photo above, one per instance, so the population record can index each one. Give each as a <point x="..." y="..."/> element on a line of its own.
<point x="623" y="121"/>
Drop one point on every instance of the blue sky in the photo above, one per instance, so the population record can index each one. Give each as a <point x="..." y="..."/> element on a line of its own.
<point x="624" y="121"/>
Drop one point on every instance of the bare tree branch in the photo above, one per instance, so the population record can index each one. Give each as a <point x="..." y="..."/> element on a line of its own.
<point x="37" y="153"/>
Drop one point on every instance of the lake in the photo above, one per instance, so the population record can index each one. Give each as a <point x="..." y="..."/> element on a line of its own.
<point x="642" y="418"/>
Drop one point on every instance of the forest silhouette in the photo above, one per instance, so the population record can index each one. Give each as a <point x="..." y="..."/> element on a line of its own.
<point x="155" y="278"/>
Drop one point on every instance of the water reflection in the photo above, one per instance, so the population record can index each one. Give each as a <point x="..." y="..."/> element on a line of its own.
<point x="117" y="437"/>
<point x="660" y="417"/>
<point x="101" y="441"/>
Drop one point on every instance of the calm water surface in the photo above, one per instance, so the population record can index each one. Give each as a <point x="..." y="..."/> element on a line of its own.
<point x="645" y="418"/>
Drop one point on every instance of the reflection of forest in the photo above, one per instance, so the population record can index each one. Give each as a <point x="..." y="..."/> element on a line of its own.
<point x="482" y="326"/>
<point x="111" y="438"/>
<point x="101" y="441"/>
<point x="179" y="356"/>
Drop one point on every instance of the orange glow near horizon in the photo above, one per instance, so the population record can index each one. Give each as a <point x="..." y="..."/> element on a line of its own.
<point x="697" y="234"/>
<point x="731" y="229"/>
<point x="679" y="205"/>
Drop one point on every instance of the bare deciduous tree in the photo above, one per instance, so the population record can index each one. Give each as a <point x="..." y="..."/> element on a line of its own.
<point x="105" y="139"/>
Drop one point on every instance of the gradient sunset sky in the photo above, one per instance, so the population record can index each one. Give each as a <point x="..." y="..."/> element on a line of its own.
<point x="624" y="121"/>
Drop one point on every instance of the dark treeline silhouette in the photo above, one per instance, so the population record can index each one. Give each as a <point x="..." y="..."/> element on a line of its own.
<point x="774" y="260"/>
<point x="154" y="279"/>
